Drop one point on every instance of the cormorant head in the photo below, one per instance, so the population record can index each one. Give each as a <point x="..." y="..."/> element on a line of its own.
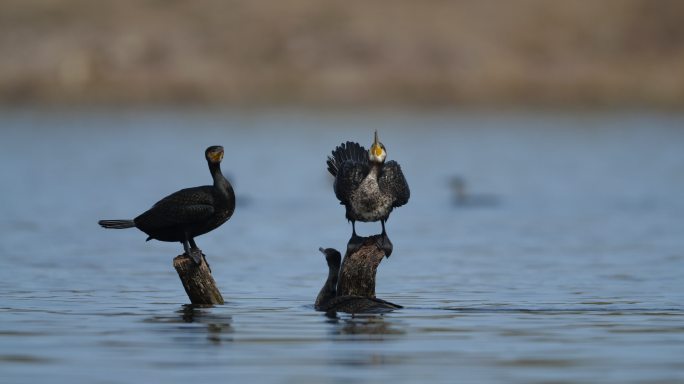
<point x="377" y="153"/>
<point x="332" y="256"/>
<point x="214" y="154"/>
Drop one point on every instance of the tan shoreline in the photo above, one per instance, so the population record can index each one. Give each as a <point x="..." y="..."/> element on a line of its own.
<point x="613" y="53"/>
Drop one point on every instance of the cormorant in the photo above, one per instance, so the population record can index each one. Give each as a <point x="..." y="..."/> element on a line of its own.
<point x="188" y="213"/>
<point x="328" y="301"/>
<point x="462" y="197"/>
<point x="329" y="290"/>
<point x="367" y="186"/>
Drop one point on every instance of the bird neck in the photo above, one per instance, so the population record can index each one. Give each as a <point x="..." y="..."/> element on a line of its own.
<point x="375" y="169"/>
<point x="220" y="182"/>
<point x="329" y="290"/>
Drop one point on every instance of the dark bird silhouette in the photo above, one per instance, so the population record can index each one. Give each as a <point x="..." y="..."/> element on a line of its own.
<point x="329" y="290"/>
<point x="188" y="213"/>
<point x="328" y="300"/>
<point x="367" y="186"/>
<point x="464" y="198"/>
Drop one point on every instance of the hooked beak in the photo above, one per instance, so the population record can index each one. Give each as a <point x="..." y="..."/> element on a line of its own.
<point x="217" y="156"/>
<point x="376" y="149"/>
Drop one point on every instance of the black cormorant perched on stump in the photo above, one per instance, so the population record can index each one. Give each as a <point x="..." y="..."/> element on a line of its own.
<point x="188" y="213"/>
<point x="367" y="186"/>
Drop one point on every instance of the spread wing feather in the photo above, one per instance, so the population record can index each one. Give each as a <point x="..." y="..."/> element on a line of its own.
<point x="392" y="181"/>
<point x="348" y="179"/>
<point x="348" y="151"/>
<point x="349" y="164"/>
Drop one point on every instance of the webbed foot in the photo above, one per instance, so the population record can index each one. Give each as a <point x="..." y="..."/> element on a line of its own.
<point x="196" y="255"/>
<point x="385" y="244"/>
<point x="355" y="242"/>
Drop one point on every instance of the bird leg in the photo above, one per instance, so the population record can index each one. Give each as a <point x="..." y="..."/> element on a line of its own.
<point x="384" y="242"/>
<point x="197" y="253"/>
<point x="355" y="242"/>
<point x="186" y="247"/>
<point x="191" y="250"/>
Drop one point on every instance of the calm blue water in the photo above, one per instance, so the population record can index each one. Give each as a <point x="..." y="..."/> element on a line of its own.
<point x="565" y="262"/>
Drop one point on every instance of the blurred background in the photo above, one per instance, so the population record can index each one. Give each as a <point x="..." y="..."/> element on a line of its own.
<point x="615" y="53"/>
<point x="542" y="141"/>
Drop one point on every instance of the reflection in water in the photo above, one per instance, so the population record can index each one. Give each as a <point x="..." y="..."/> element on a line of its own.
<point x="351" y="335"/>
<point x="190" y="311"/>
<point x="375" y="325"/>
<point x="217" y="326"/>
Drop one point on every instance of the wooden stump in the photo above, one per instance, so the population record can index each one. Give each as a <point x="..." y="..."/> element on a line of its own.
<point x="197" y="281"/>
<point x="357" y="274"/>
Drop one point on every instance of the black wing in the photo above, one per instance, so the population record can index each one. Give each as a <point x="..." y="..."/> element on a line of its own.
<point x="348" y="151"/>
<point x="392" y="181"/>
<point x="349" y="165"/>
<point x="186" y="206"/>
<point x="349" y="178"/>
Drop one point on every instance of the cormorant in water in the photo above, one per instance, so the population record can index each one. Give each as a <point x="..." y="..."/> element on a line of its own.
<point x="466" y="199"/>
<point x="328" y="301"/>
<point x="188" y="213"/>
<point x="329" y="290"/>
<point x="367" y="186"/>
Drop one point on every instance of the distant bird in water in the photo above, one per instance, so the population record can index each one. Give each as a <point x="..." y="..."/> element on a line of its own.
<point x="188" y="213"/>
<point x="367" y="186"/>
<point x="462" y="197"/>
<point x="328" y="301"/>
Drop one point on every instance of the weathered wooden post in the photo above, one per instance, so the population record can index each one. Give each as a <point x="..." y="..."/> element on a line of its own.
<point x="197" y="280"/>
<point x="350" y="287"/>
<point x="357" y="274"/>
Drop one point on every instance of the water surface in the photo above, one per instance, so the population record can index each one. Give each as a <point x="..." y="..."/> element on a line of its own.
<point x="564" y="263"/>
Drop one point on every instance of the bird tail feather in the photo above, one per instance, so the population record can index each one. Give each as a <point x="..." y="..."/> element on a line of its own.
<point x="117" y="224"/>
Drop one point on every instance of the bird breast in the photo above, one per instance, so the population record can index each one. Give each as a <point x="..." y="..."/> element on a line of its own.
<point x="368" y="202"/>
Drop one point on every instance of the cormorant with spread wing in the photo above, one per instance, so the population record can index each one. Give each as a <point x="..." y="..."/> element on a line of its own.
<point x="188" y="213"/>
<point x="367" y="186"/>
